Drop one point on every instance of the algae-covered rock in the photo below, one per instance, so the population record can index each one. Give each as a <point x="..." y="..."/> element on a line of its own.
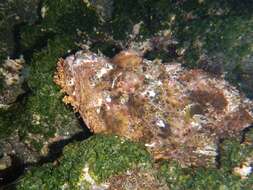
<point x="213" y="35"/>
<point x="234" y="169"/>
<point x="104" y="8"/>
<point x="11" y="81"/>
<point x="40" y="118"/>
<point x="217" y="36"/>
<point x="107" y="162"/>
<point x="65" y="17"/>
<point x="12" y="14"/>
<point x="87" y="164"/>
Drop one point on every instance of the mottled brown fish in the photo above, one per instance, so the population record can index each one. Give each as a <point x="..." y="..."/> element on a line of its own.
<point x="177" y="113"/>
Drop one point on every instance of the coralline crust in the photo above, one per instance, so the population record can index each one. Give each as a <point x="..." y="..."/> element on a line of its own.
<point x="12" y="80"/>
<point x="177" y="113"/>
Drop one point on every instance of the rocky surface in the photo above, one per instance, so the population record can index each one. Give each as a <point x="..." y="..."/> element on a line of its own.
<point x="215" y="36"/>
<point x="88" y="165"/>
<point x="109" y="162"/>
<point x="11" y="81"/>
<point x="104" y="8"/>
<point x="14" y="13"/>
<point x="136" y="179"/>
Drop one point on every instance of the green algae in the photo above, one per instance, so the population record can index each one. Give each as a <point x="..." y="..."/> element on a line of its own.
<point x="226" y="35"/>
<point x="42" y="114"/>
<point x="202" y="178"/>
<point x="221" y="31"/>
<point x="108" y="156"/>
<point x="105" y="156"/>
<point x="50" y="39"/>
<point x="233" y="152"/>
<point x="60" y="18"/>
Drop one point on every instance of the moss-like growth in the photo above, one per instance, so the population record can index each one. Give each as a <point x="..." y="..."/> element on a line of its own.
<point x="232" y="154"/>
<point x="108" y="156"/>
<point x="202" y="178"/>
<point x="104" y="155"/>
<point x="42" y="112"/>
<point x="8" y="121"/>
<point x="212" y="179"/>
<point x="229" y="36"/>
<point x="128" y="13"/>
<point x="59" y="17"/>
<point x="219" y="29"/>
<point x="41" y="115"/>
<point x="46" y="115"/>
<point x="216" y="36"/>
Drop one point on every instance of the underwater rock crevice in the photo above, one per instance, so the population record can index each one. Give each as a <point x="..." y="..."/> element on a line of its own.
<point x="11" y="175"/>
<point x="244" y="133"/>
<point x="218" y="156"/>
<point x="17" y="37"/>
<point x="55" y="148"/>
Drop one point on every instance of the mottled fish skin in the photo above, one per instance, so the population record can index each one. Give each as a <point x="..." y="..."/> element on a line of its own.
<point x="177" y="113"/>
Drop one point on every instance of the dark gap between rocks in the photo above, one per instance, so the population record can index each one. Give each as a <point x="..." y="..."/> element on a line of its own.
<point x="10" y="176"/>
<point x="244" y="132"/>
<point x="56" y="148"/>
<point x="220" y="141"/>
<point x="17" y="37"/>
<point x="218" y="157"/>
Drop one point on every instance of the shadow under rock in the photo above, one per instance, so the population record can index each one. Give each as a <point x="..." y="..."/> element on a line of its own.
<point x="10" y="177"/>
<point x="56" y="148"/>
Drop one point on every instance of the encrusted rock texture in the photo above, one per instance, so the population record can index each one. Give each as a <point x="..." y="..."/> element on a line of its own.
<point x="176" y="112"/>
<point x="12" y="79"/>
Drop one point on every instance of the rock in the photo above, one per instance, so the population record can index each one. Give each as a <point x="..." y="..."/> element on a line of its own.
<point x="39" y="118"/>
<point x="178" y="113"/>
<point x="136" y="179"/>
<point x="13" y="13"/>
<point x="104" y="8"/>
<point x="244" y="170"/>
<point x="5" y="162"/>
<point x="13" y="145"/>
<point x="29" y="125"/>
<point x="12" y="80"/>
<point x="88" y="165"/>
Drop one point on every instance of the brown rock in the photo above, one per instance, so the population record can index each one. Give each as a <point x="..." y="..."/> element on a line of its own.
<point x="137" y="179"/>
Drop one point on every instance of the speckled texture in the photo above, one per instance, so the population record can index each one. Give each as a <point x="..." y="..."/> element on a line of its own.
<point x="12" y="80"/>
<point x="178" y="113"/>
